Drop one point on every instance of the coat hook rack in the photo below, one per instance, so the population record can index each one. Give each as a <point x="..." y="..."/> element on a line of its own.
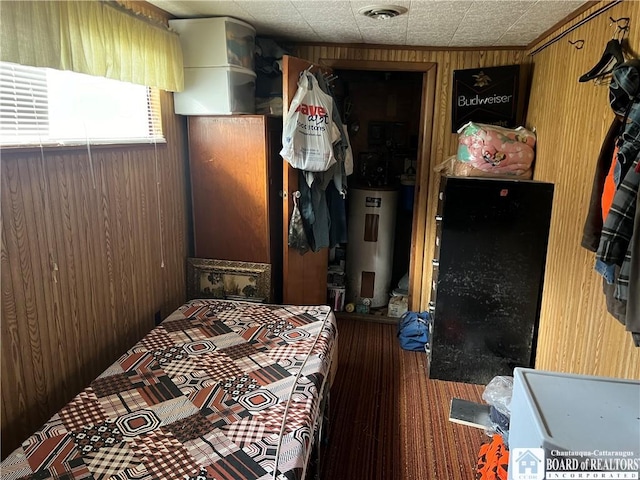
<point x="622" y="27"/>
<point x="578" y="44"/>
<point x="588" y="18"/>
<point x="617" y="21"/>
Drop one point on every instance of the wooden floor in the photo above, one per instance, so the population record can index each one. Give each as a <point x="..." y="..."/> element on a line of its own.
<point x="387" y="420"/>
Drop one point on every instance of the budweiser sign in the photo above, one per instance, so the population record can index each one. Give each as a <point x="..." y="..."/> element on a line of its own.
<point x="486" y="95"/>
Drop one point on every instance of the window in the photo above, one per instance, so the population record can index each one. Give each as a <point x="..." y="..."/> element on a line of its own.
<point x="41" y="106"/>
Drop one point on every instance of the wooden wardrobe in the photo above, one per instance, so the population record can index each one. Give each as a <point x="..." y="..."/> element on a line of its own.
<point x="236" y="187"/>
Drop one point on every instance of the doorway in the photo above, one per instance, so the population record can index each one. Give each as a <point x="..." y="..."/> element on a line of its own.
<point x="388" y="108"/>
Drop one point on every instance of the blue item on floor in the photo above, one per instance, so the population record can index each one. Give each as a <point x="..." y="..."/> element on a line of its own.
<point x="413" y="330"/>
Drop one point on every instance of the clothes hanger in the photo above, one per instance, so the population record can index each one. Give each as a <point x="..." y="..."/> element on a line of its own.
<point x="612" y="53"/>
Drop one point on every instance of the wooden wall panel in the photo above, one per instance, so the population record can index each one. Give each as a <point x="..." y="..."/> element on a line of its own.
<point x="571" y="118"/>
<point x="90" y="252"/>
<point x="443" y="142"/>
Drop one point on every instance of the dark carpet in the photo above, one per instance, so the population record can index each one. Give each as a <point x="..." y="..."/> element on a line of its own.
<point x="387" y="419"/>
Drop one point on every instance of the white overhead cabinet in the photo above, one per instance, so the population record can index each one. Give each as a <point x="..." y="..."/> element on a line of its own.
<point x="218" y="66"/>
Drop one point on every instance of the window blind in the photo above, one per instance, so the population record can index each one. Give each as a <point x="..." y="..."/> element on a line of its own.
<point x="153" y="114"/>
<point x="41" y="106"/>
<point x="24" y="111"/>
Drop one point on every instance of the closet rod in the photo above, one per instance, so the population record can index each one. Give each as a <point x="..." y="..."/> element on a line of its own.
<point x="573" y="27"/>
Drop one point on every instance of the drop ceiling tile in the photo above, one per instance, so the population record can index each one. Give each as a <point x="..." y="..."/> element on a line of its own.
<point x="487" y="17"/>
<point x="512" y="38"/>
<point x="191" y="8"/>
<point x="387" y="38"/>
<point x="503" y="9"/>
<point x="517" y="38"/>
<point x="275" y="19"/>
<point x="261" y="7"/>
<point x="536" y="27"/>
<point x="270" y="21"/>
<point x="555" y="7"/>
<point x="544" y="15"/>
<point x="488" y="38"/>
<point x="347" y="34"/>
<point x="464" y="23"/>
<point x="432" y="40"/>
<point x="333" y="25"/>
<point x="447" y="14"/>
<point x="321" y="8"/>
<point x="292" y="34"/>
<point x="338" y="20"/>
<point x="293" y="37"/>
<point x="470" y="42"/>
<point x="434" y="23"/>
<point x="540" y="17"/>
<point x="345" y="38"/>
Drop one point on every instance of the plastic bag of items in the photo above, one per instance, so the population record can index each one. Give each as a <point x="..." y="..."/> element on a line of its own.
<point x="308" y="131"/>
<point x="498" y="394"/>
<point x="492" y="151"/>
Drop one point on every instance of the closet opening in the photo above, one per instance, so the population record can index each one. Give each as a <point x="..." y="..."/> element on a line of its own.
<point x="383" y="111"/>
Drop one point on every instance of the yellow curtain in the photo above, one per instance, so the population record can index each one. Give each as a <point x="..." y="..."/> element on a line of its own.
<point x="90" y="37"/>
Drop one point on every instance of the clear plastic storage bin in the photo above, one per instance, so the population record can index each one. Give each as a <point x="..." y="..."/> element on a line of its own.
<point x="216" y="90"/>
<point x="215" y="42"/>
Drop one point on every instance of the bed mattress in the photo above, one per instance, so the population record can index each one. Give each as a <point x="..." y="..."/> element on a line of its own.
<point x="220" y="390"/>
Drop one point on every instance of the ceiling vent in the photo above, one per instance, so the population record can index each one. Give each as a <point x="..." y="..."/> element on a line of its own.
<point x="382" y="12"/>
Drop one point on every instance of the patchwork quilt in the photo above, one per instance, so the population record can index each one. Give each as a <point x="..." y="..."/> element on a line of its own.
<point x="220" y="390"/>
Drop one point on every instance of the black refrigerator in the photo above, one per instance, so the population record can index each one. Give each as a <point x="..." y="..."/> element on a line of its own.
<point x="488" y="269"/>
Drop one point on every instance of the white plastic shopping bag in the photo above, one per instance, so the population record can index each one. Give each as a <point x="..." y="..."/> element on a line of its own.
<point x="309" y="131"/>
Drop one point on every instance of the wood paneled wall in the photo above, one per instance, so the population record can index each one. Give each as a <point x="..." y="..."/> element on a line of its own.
<point x="90" y="252"/>
<point x="571" y="118"/>
<point x="443" y="142"/>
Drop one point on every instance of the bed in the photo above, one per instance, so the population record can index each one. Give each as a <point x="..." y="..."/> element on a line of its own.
<point x="219" y="390"/>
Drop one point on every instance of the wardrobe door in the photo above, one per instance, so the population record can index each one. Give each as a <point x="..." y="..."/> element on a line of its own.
<point x="230" y="188"/>
<point x="493" y="242"/>
<point x="304" y="276"/>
